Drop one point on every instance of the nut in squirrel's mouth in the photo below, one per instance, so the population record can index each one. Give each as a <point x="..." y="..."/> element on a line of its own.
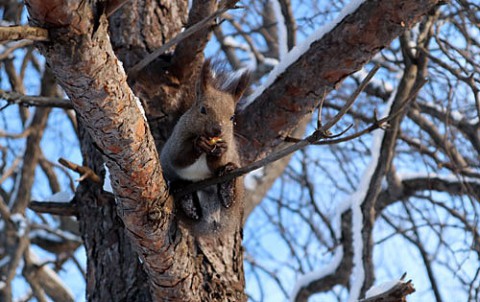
<point x="214" y="140"/>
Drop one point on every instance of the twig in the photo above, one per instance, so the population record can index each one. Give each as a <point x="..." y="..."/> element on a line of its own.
<point x="11" y="47"/>
<point x="113" y="6"/>
<point x="11" y="33"/>
<point x="24" y="133"/>
<point x="38" y="101"/>
<point x="85" y="172"/>
<point x="224" y="6"/>
<point x="55" y="208"/>
<point x="320" y="109"/>
<point x="352" y="98"/>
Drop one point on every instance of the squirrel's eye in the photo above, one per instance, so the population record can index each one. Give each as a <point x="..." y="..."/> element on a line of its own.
<point x="232" y="117"/>
<point x="203" y="110"/>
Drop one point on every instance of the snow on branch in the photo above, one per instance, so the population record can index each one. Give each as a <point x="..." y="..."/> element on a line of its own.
<point x="281" y="29"/>
<point x="301" y="48"/>
<point x="450" y="178"/>
<point x="357" y="199"/>
<point x="391" y="291"/>
<point x="312" y="276"/>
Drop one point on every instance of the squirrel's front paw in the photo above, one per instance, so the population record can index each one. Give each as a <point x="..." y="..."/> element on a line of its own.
<point x="229" y="167"/>
<point x="204" y="145"/>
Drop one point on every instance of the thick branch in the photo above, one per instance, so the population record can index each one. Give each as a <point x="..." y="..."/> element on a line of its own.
<point x="296" y="92"/>
<point x="55" y="208"/>
<point x="83" y="61"/>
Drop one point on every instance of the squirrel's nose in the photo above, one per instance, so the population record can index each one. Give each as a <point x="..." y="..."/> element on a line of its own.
<point x="215" y="131"/>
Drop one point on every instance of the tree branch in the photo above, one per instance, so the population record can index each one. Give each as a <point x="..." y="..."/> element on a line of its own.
<point x="224" y="6"/>
<point x="23" y="32"/>
<point x="318" y="137"/>
<point x="82" y="58"/>
<point x="54" y="208"/>
<point x="85" y="172"/>
<point x="37" y="101"/>
<point x="294" y="93"/>
<point x="398" y="293"/>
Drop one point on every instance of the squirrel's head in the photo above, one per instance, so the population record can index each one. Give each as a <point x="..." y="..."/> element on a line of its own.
<point x="217" y="98"/>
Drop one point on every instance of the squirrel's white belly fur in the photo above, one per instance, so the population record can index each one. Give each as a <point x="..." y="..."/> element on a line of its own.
<point x="197" y="171"/>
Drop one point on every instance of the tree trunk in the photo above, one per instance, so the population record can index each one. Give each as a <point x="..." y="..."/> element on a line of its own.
<point x="136" y="239"/>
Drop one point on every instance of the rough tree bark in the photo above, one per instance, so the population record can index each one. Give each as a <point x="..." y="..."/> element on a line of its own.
<point x="135" y="238"/>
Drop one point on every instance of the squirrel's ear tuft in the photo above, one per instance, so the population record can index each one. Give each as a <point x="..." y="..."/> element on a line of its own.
<point x="205" y="77"/>
<point x="238" y="86"/>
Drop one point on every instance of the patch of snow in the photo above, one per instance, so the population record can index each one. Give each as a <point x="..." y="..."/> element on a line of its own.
<point x="454" y="114"/>
<point x="252" y="179"/>
<point x="281" y="29"/>
<point x="45" y="235"/>
<point x="5" y="260"/>
<point x="20" y="222"/>
<point x="384" y="183"/>
<point x="452" y="178"/>
<point x="413" y="47"/>
<point x="353" y="202"/>
<point x="2" y="284"/>
<point x="358" y="272"/>
<point x="457" y="115"/>
<point x="50" y="273"/>
<point x="270" y="62"/>
<point x="140" y="107"/>
<point x="252" y="63"/>
<point x="232" y="42"/>
<point x="381" y="85"/>
<point x="294" y="54"/>
<point x="308" y="278"/>
<point x="54" y="235"/>
<point x="62" y="196"/>
<point x="6" y="23"/>
<point x="107" y="185"/>
<point x="381" y="288"/>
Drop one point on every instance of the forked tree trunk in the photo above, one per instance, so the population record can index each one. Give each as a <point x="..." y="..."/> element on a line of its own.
<point x="181" y="264"/>
<point x="137" y="248"/>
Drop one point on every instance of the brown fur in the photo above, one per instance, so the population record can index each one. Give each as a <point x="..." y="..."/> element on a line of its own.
<point x="210" y="116"/>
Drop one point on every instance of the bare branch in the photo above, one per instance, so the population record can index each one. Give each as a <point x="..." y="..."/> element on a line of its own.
<point x="85" y="172"/>
<point x="224" y="6"/>
<point x="37" y="101"/>
<point x="23" y="32"/>
<point x="54" y="208"/>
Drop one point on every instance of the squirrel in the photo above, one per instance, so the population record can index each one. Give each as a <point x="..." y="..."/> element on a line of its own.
<point x="202" y="145"/>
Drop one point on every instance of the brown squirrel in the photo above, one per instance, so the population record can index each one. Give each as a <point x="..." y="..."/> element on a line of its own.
<point x="202" y="145"/>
